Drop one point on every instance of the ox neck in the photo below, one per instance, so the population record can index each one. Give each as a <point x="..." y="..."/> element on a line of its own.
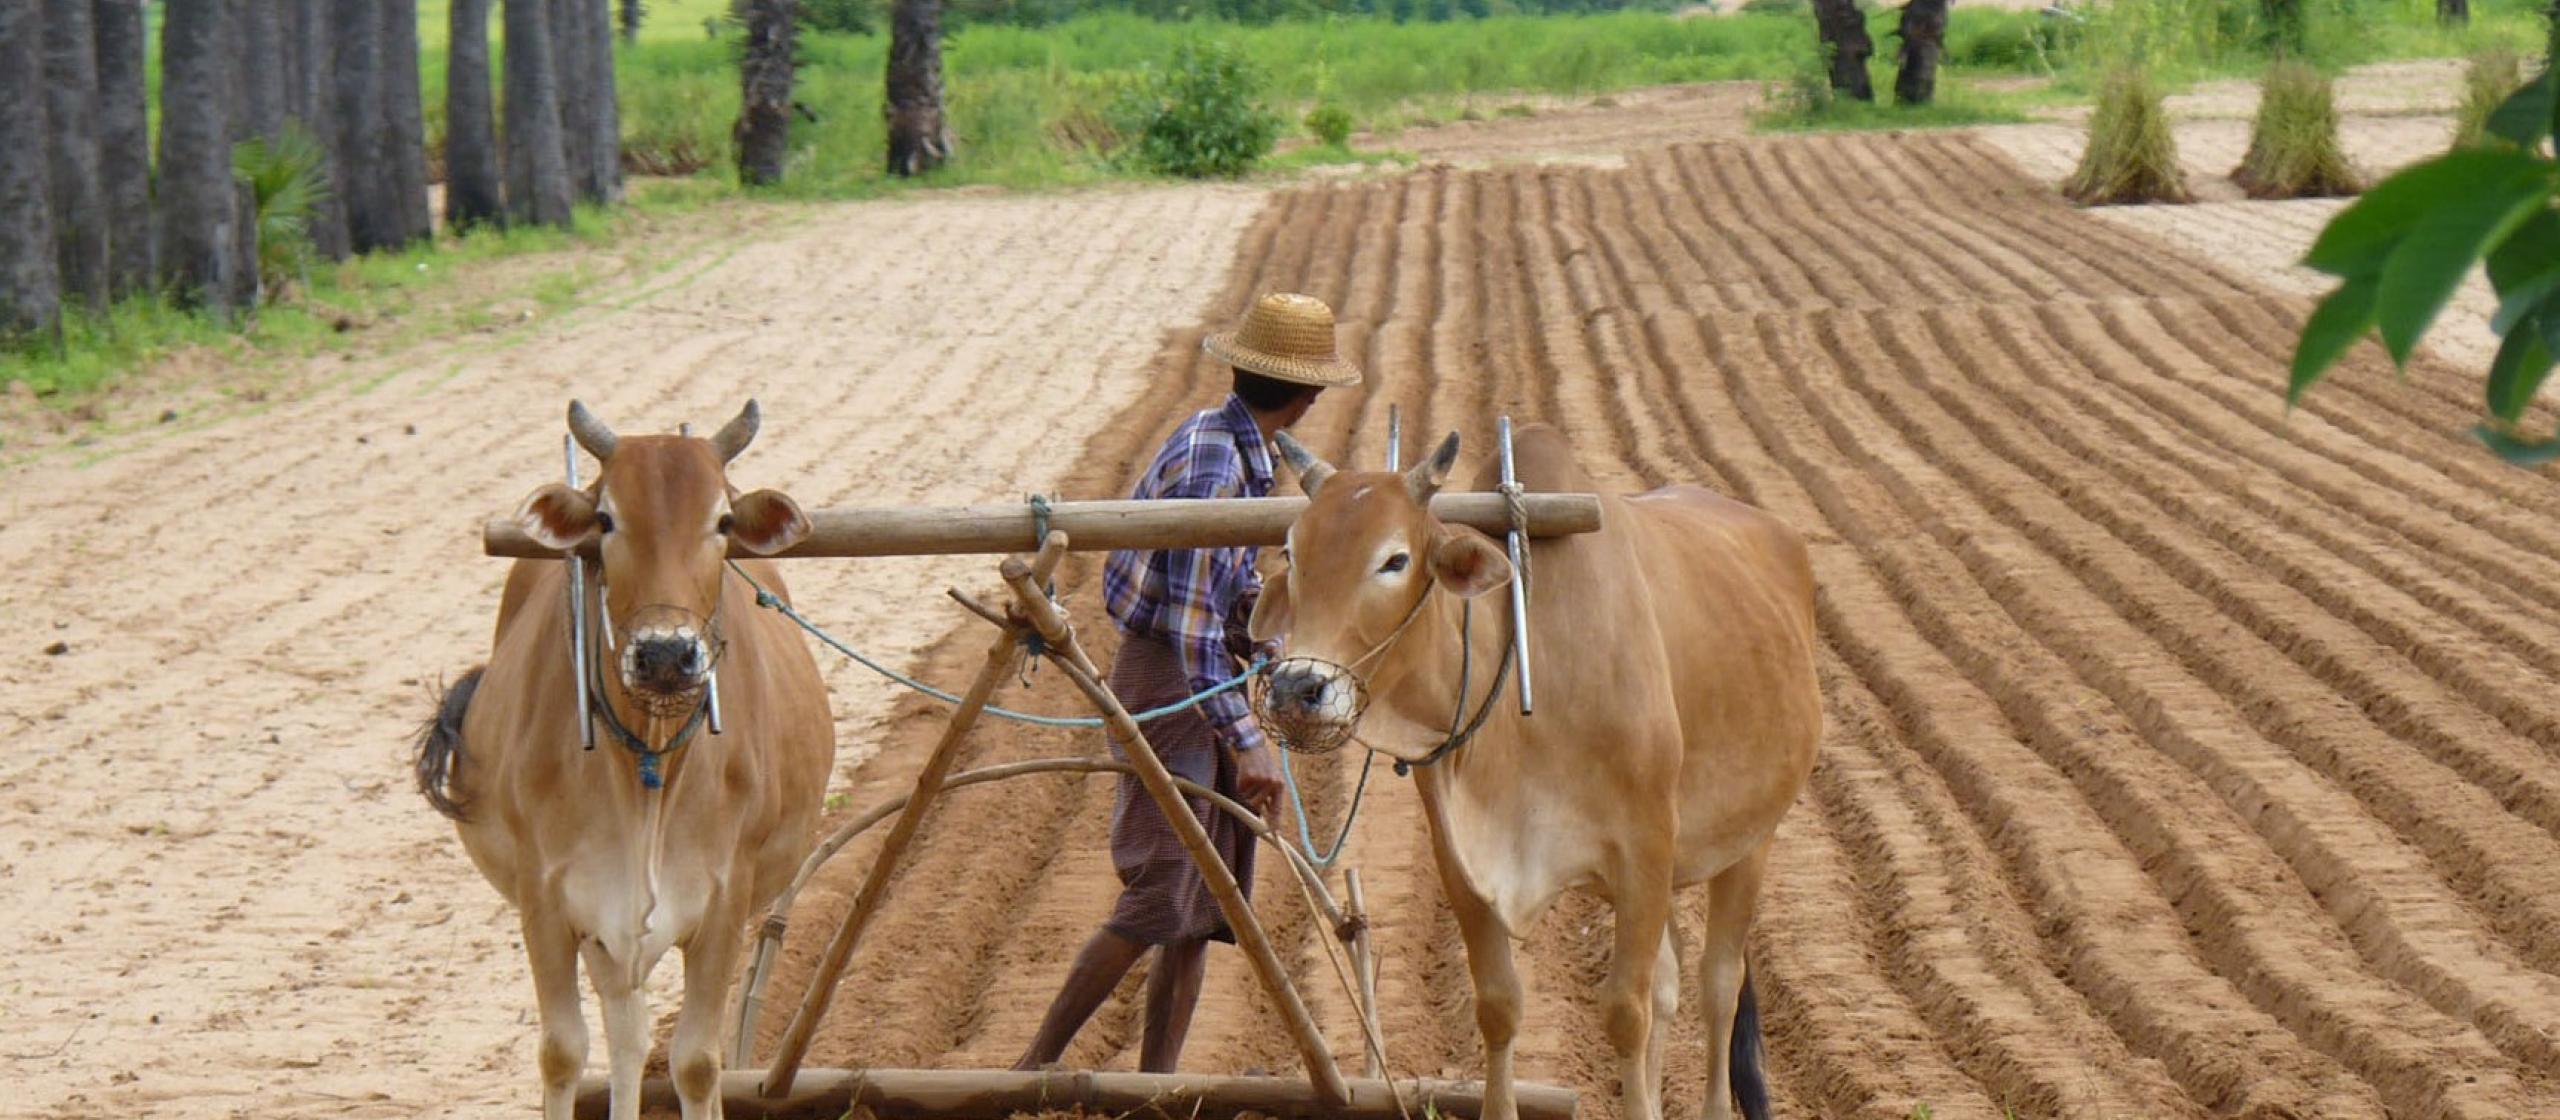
<point x="1461" y="673"/>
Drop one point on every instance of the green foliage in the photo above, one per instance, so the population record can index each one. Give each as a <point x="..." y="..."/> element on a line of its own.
<point x="2491" y="77"/>
<point x="2404" y="247"/>
<point x="843" y="17"/>
<point x="2293" y="145"/>
<point x="2132" y="156"/>
<point x="1329" y="124"/>
<point x="1200" y="117"/>
<point x="289" y="180"/>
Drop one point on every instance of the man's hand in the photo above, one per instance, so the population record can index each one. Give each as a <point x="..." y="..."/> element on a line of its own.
<point x="1258" y="782"/>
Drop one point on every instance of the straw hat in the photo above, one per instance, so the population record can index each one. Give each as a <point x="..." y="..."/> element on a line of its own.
<point x="1287" y="336"/>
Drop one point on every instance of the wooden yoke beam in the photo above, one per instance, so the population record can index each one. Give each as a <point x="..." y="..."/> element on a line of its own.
<point x="1043" y="615"/>
<point x="1099" y="526"/>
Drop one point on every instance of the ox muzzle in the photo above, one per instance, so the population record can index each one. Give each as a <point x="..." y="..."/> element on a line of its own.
<point x="1310" y="705"/>
<point x="668" y="660"/>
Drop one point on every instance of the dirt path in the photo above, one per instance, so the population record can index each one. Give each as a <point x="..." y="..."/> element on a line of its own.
<point x="223" y="900"/>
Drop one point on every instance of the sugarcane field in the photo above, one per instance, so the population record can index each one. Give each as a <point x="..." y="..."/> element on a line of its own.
<point x="1380" y="559"/>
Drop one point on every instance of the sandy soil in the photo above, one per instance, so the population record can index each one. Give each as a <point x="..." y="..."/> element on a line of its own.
<point x="2186" y="758"/>
<point x="223" y="899"/>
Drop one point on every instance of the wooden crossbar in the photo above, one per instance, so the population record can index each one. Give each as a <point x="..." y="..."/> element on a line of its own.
<point x="1098" y="526"/>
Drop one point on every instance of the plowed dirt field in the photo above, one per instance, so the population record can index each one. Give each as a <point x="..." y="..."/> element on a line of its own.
<point x="2186" y="759"/>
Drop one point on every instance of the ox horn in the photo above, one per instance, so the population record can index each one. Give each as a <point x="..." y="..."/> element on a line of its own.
<point x="1424" y="478"/>
<point x="1311" y="471"/>
<point x="734" y="436"/>
<point x="591" y="432"/>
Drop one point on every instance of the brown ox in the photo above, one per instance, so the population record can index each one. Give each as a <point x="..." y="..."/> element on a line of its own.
<point x="1677" y="714"/>
<point x="596" y="863"/>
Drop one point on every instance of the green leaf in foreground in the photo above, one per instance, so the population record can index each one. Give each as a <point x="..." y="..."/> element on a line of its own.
<point x="2336" y="324"/>
<point x="2519" y="302"/>
<point x="2517" y="373"/>
<point x="2360" y="238"/>
<point x="2526" y="252"/>
<point x="2522" y="452"/>
<point x="2525" y="118"/>
<point x="2440" y="249"/>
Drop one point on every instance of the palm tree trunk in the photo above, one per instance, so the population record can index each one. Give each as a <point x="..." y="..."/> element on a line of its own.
<point x="124" y="142"/>
<point x="604" y="152"/>
<point x="313" y="101"/>
<point x="537" y="169"/>
<point x="571" y="73"/>
<point x="919" y="139"/>
<point x="472" y="190"/>
<point x="364" y="176"/>
<point x="200" y="230"/>
<point x="765" y="73"/>
<point x="262" y="68"/>
<point x="632" y="10"/>
<point x="404" y="125"/>
<point x="1844" y="38"/>
<point x="80" y="228"/>
<point x="1923" y="32"/>
<point x="30" y="285"/>
<point x="2453" y="13"/>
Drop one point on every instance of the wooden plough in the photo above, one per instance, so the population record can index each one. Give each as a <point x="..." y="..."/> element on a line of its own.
<point x="1048" y="531"/>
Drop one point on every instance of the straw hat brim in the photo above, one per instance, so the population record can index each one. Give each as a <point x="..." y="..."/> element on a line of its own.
<point x="1331" y="373"/>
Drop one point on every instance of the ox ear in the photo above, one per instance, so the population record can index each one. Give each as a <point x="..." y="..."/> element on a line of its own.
<point x="765" y="522"/>
<point x="558" y="517"/>
<point x="1469" y="564"/>
<point x="1271" y="612"/>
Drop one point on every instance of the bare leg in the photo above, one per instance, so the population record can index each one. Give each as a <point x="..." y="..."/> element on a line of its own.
<point x="1172" y="993"/>
<point x="553" y="952"/>
<point x="626" y="1028"/>
<point x="693" y="1055"/>
<point x="1731" y="897"/>
<point x="1098" y="969"/>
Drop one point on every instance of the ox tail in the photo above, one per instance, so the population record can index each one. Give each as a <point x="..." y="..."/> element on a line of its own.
<point x="1748" y="1074"/>
<point x="439" y="761"/>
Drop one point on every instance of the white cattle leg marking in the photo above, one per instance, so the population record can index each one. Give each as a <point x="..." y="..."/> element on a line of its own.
<point x="1666" y="1002"/>
<point x="626" y="1025"/>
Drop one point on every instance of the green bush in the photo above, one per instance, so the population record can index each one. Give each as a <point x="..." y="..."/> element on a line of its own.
<point x="846" y="17"/>
<point x="2132" y="157"/>
<point x="1201" y="117"/>
<point x="2493" y="76"/>
<point x="2293" y="146"/>
<point x="1330" y="124"/>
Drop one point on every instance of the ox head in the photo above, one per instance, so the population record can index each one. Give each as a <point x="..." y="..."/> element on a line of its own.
<point x="1365" y="562"/>
<point x="662" y="516"/>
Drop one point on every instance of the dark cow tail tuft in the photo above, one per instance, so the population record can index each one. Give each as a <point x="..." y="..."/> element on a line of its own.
<point x="1750" y="1078"/>
<point x="439" y="760"/>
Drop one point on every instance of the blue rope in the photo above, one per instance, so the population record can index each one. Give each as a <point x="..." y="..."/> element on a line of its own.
<point x="769" y="601"/>
<point x="1306" y="841"/>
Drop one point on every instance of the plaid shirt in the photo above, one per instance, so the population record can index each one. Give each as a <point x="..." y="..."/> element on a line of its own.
<point x="1198" y="599"/>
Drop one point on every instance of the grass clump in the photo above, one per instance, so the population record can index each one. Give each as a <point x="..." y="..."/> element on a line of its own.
<point x="2132" y="156"/>
<point x="2493" y="75"/>
<point x="2293" y="146"/>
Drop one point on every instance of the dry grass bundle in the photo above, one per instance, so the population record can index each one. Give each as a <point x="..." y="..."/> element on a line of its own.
<point x="2293" y="146"/>
<point x="2493" y="76"/>
<point x="2132" y="157"/>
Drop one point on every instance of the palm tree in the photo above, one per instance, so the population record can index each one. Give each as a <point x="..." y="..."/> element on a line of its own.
<point x="1844" y="35"/>
<point x="1923" y="32"/>
<point x="537" y="168"/>
<point x="200" y="224"/>
<point x="919" y="139"/>
<point x="71" y="101"/>
<point x="764" y="110"/>
<point x="403" y="126"/>
<point x="472" y="190"/>
<point x="124" y="142"/>
<point x="30" y="295"/>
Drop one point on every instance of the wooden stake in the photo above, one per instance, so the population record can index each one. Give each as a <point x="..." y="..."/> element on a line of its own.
<point x="957" y="1094"/>
<point x="1001" y="655"/>
<point x="1044" y="616"/>
<point x="1100" y="526"/>
<point x="1364" y="968"/>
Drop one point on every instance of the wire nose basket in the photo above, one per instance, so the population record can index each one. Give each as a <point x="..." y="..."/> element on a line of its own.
<point x="1309" y="705"/>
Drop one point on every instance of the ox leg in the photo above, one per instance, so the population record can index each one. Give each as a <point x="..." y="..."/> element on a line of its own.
<point x="693" y="1055"/>
<point x="1643" y="905"/>
<point x="1498" y="999"/>
<point x="626" y="1027"/>
<point x="1732" y="897"/>
<point x="552" y="950"/>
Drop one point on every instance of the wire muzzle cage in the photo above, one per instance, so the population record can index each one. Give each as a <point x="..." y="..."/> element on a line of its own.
<point x="1280" y="703"/>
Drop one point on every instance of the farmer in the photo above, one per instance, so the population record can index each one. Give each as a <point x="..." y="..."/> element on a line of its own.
<point x="1181" y="614"/>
